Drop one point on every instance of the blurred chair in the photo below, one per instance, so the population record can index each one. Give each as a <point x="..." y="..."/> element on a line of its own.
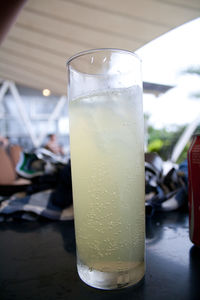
<point x="7" y="173"/>
<point x="9" y="182"/>
<point x="14" y="152"/>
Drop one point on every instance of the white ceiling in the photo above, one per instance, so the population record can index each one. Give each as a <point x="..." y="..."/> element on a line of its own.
<point x="48" y="32"/>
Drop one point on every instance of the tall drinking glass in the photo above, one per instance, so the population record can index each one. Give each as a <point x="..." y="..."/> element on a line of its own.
<point x="107" y="160"/>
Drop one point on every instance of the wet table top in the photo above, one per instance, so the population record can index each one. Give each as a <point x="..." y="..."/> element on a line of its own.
<point x="37" y="261"/>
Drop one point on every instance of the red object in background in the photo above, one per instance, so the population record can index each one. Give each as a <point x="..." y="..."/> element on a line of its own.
<point x="194" y="189"/>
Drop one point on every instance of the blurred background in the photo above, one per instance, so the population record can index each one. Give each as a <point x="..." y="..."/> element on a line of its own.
<point x="40" y="36"/>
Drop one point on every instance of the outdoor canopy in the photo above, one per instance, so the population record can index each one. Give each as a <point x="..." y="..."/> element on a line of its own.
<point x="48" y="32"/>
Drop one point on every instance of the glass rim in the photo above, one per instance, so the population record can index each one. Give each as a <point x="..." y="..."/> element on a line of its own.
<point x="96" y="50"/>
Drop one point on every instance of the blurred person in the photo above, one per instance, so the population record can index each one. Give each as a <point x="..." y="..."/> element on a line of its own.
<point x="4" y="141"/>
<point x="53" y="145"/>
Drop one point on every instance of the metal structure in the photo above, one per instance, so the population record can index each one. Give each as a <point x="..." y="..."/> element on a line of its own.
<point x="26" y="122"/>
<point x="26" y="118"/>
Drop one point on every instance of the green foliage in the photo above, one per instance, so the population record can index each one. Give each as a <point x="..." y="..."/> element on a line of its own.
<point x="183" y="155"/>
<point x="193" y="70"/>
<point x="155" y="145"/>
<point x="163" y="141"/>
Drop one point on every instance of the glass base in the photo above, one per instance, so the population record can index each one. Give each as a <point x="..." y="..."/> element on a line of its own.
<point x="113" y="279"/>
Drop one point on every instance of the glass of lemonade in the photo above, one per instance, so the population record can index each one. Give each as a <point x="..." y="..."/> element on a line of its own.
<point x="107" y="160"/>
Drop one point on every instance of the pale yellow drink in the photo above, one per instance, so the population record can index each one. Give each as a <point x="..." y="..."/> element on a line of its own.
<point x="107" y="156"/>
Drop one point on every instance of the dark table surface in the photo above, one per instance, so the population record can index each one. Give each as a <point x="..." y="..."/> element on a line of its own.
<point x="37" y="261"/>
